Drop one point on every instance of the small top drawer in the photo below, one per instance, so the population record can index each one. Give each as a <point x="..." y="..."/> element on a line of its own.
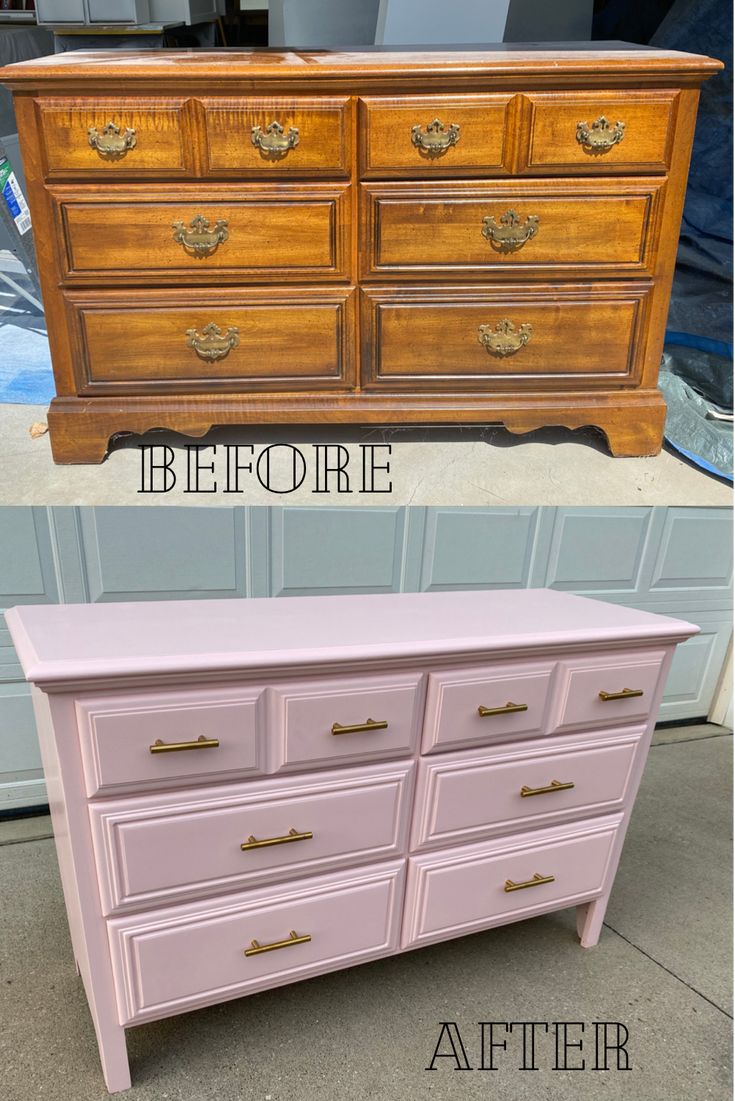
<point x="116" y="137"/>
<point x="607" y="689"/>
<point x="614" y="132"/>
<point x="333" y="722"/>
<point x="277" y="137"/>
<point x="434" y="136"/>
<point x="131" y="741"/>
<point x="484" y="705"/>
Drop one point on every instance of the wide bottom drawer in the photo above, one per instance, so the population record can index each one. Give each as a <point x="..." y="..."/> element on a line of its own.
<point x="457" y="891"/>
<point x="173" y="960"/>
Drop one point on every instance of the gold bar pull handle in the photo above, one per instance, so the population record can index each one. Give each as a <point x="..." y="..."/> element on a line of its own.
<point x="356" y="728"/>
<point x="266" y="842"/>
<point x="555" y="785"/>
<point x="624" y="694"/>
<point x="535" y="882"/>
<point x="256" y="948"/>
<point x="174" y="747"/>
<point x="507" y="709"/>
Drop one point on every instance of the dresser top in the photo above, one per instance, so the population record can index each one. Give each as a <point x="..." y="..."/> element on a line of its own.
<point x="79" y="642"/>
<point x="554" y="60"/>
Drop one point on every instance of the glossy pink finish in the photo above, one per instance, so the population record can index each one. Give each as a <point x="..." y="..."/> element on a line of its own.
<point x="161" y="899"/>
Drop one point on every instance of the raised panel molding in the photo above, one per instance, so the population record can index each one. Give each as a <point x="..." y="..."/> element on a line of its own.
<point x="27" y="573"/>
<point x="478" y="548"/>
<point x="680" y="563"/>
<point x="600" y="550"/>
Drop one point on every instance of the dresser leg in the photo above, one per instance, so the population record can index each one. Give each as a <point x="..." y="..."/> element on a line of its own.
<point x="74" y="440"/>
<point x="634" y="433"/>
<point x="113" y="1056"/>
<point x="590" y="916"/>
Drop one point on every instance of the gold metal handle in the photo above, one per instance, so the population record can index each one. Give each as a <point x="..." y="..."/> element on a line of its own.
<point x="509" y="234"/>
<point x="110" y="141"/>
<point x="555" y="785"/>
<point x="537" y="880"/>
<point x="212" y="344"/>
<point x="436" y="138"/>
<point x="504" y="339"/>
<point x="600" y="136"/>
<point x="199" y="238"/>
<point x="292" y="835"/>
<point x="256" y="948"/>
<point x="356" y="728"/>
<point x="274" y="141"/>
<point x="624" y="694"/>
<point x="507" y="709"/>
<point x="175" y="747"/>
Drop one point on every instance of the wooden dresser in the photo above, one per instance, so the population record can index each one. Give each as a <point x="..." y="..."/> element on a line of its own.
<point x="249" y="793"/>
<point x="371" y="237"/>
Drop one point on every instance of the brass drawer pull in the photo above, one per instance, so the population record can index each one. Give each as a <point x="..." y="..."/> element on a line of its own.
<point x="110" y="142"/>
<point x="507" y="709"/>
<point x="600" y="136"/>
<point x="504" y="339"/>
<point x="199" y="238"/>
<point x="275" y="142"/>
<point x="175" y="747"/>
<point x="292" y="835"/>
<point x="555" y="785"/>
<point x="625" y="694"/>
<point x="509" y="234"/>
<point x="256" y="949"/>
<point x="356" y="728"/>
<point x="436" y="138"/>
<point x="212" y="344"/>
<point x="535" y="882"/>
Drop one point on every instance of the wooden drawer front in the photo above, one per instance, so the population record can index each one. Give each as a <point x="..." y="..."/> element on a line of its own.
<point x="556" y="117"/>
<point x="246" y="233"/>
<point x="322" y="149"/>
<point x="285" y="340"/>
<point x="454" y="701"/>
<point x="630" y="679"/>
<point x="161" y="142"/>
<point x="307" y="721"/>
<point x="442" y="229"/>
<point x="152" y="851"/>
<point x="171" y="960"/>
<point x="579" y="337"/>
<point x="388" y="145"/>
<point x="458" y="891"/>
<point x="466" y="797"/>
<point x="117" y="732"/>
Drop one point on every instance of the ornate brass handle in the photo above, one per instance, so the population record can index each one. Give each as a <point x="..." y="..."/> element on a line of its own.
<point x="275" y="141"/>
<point x="555" y="785"/>
<point x="292" y="835"/>
<point x="625" y="694"/>
<point x="110" y="142"/>
<point x="356" y="728"/>
<point x="600" y="136"/>
<point x="509" y="234"/>
<point x="436" y="138"/>
<point x="212" y="344"/>
<point x="175" y="747"/>
<point x="256" y="948"/>
<point x="506" y="709"/>
<point x="535" y="882"/>
<point x="504" y="339"/>
<point x="199" y="238"/>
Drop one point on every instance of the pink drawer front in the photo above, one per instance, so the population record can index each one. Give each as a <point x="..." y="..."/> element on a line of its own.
<point x="483" y="705"/>
<point x="459" y="891"/>
<point x="608" y="689"/>
<point x="168" y="961"/>
<point x="161" y="849"/>
<point x="333" y="722"/>
<point x="220" y="733"/>
<point x="465" y="797"/>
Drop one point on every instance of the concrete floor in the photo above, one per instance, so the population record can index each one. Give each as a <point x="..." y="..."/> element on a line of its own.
<point x="662" y="968"/>
<point x="467" y="466"/>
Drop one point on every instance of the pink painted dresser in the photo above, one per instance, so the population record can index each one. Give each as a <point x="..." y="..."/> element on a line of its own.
<point x="248" y="793"/>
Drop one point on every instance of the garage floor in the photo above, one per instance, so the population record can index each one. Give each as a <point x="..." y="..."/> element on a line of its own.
<point x="662" y="968"/>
